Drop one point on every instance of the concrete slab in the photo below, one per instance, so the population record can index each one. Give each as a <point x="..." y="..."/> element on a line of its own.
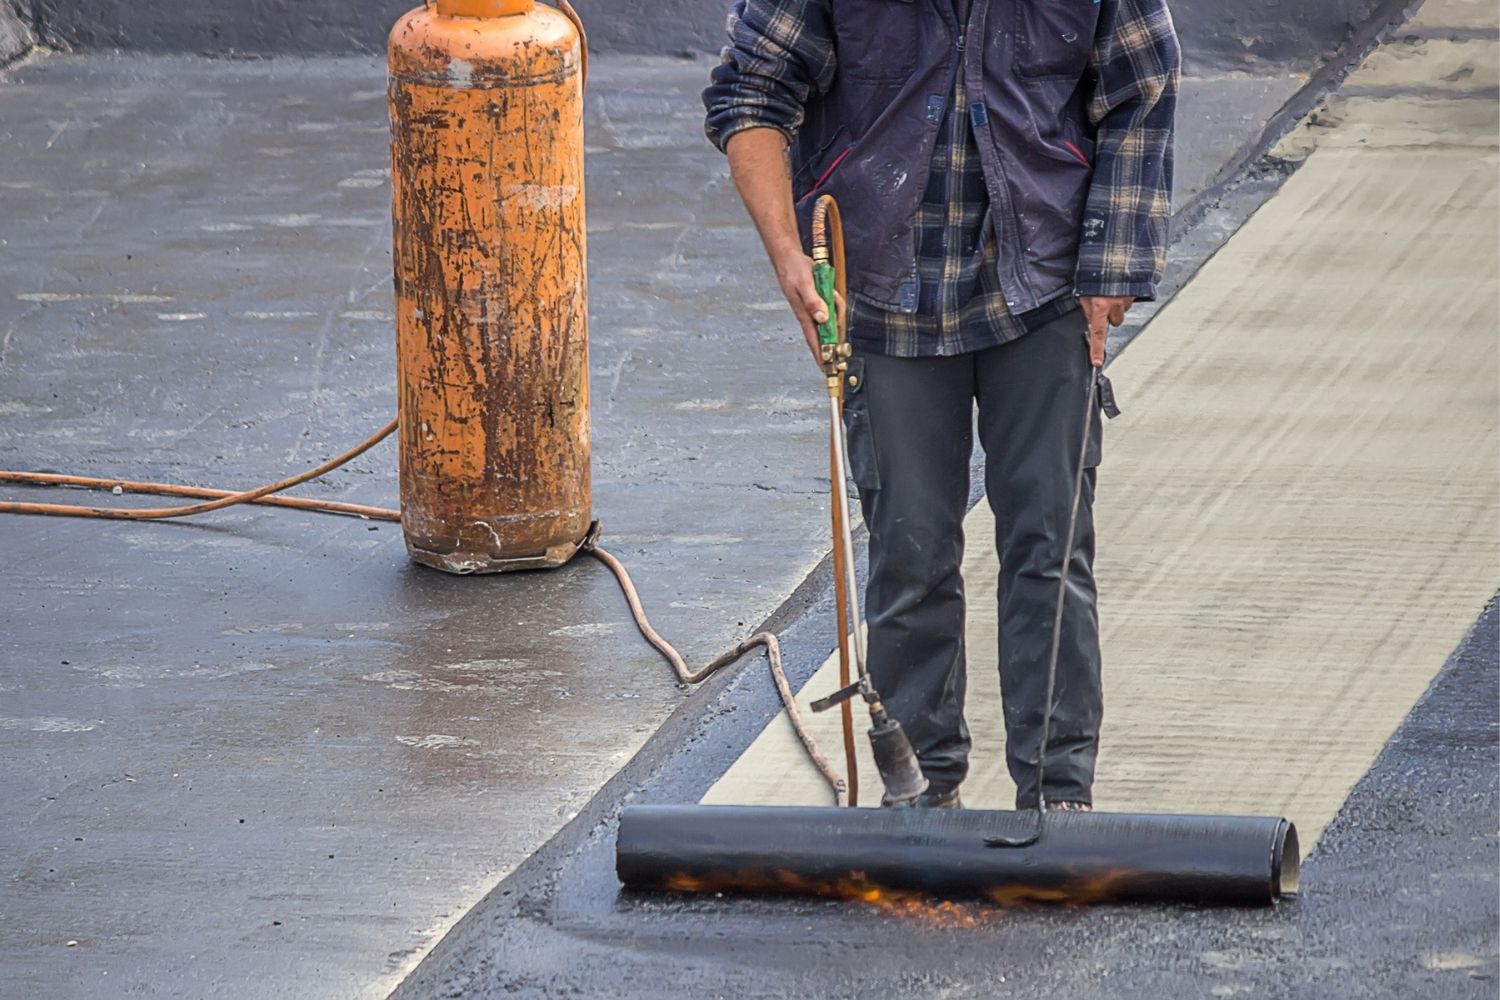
<point x="196" y="289"/>
<point x="1452" y="16"/>
<point x="1441" y="67"/>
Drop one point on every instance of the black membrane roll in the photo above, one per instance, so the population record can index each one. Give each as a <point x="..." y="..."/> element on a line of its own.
<point x="1081" y="857"/>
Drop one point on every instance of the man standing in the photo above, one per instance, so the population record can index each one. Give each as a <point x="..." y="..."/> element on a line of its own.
<point x="1004" y="168"/>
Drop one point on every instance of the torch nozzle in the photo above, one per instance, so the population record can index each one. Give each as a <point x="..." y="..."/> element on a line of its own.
<point x="894" y="758"/>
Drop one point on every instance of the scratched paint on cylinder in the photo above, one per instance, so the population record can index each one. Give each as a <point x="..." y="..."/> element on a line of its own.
<point x="491" y="306"/>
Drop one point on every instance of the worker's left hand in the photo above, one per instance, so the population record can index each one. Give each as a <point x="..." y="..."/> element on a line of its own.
<point x="1102" y="312"/>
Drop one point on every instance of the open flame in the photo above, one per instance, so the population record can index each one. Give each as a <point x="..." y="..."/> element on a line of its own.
<point x="910" y="904"/>
<point x="1087" y="891"/>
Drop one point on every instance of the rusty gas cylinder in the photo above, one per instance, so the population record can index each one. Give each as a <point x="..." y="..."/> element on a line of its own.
<point x="486" y="100"/>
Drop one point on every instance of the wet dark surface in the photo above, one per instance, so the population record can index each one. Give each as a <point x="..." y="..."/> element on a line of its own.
<point x="262" y="754"/>
<point x="1398" y="900"/>
<point x="281" y="27"/>
<point x="263" y="747"/>
<point x="1216" y="32"/>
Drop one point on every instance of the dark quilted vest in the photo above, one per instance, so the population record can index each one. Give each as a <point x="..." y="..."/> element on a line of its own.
<point x="869" y="140"/>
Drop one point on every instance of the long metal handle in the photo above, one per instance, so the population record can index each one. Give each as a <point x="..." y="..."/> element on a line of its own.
<point x="1035" y="833"/>
<point x="1062" y="586"/>
<point x="841" y="497"/>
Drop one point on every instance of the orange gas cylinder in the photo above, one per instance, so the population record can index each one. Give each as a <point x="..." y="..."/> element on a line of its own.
<point x="491" y="320"/>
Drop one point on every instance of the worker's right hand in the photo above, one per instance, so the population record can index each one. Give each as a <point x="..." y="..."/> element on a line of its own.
<point x="1102" y="312"/>
<point x="795" y="275"/>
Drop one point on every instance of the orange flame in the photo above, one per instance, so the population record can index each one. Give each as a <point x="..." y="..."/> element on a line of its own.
<point x="908" y="904"/>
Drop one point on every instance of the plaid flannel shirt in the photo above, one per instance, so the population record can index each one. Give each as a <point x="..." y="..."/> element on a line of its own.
<point x="781" y="52"/>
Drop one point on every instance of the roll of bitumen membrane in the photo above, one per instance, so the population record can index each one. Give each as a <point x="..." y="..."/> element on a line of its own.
<point x="1080" y="857"/>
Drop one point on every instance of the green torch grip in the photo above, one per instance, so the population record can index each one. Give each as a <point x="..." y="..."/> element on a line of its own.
<point x="828" y="330"/>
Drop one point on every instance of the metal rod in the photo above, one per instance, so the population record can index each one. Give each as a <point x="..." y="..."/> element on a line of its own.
<point x="841" y="497"/>
<point x="1062" y="595"/>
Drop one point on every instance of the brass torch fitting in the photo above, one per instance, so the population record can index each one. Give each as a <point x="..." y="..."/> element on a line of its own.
<point x="835" y="361"/>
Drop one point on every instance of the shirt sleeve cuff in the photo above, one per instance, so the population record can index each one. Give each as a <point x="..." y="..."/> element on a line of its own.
<point x="720" y="137"/>
<point x="1141" y="291"/>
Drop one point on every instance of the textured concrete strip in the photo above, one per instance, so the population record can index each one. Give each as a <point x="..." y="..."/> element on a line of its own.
<point x="1298" y="511"/>
<point x="1448" y="15"/>
<point x="1444" y="64"/>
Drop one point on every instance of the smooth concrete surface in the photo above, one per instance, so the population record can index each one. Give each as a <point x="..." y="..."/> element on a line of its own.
<point x="260" y="754"/>
<point x="1215" y="33"/>
<point x="1297" y="515"/>
<point x="303" y="27"/>
<point x="196" y="288"/>
<point x="1250" y="31"/>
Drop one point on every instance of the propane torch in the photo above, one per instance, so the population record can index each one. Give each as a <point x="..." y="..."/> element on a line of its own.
<point x="894" y="757"/>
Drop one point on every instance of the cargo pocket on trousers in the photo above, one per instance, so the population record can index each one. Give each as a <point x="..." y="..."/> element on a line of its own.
<point x="863" y="467"/>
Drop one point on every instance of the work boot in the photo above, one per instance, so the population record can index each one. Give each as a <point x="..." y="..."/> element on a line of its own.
<point x="940" y="800"/>
<point x="931" y="799"/>
<point x="1074" y="807"/>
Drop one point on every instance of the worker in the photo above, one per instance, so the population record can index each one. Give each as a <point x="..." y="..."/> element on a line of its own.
<point x="1004" y="170"/>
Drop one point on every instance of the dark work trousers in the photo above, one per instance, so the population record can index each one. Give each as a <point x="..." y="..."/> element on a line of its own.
<point x="910" y="423"/>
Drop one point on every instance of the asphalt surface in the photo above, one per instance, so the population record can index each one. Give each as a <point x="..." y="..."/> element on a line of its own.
<point x="261" y="754"/>
<point x="263" y="747"/>
<point x="1398" y="900"/>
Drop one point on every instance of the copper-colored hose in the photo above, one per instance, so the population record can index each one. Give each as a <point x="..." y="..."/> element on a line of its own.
<point x="841" y="609"/>
<point x="828" y="244"/>
<point x="225" y="499"/>
<point x="828" y="241"/>
<point x="687" y="675"/>
<point x="172" y="489"/>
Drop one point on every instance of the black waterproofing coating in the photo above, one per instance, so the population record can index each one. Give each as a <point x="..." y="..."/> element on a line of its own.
<point x="1080" y="857"/>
